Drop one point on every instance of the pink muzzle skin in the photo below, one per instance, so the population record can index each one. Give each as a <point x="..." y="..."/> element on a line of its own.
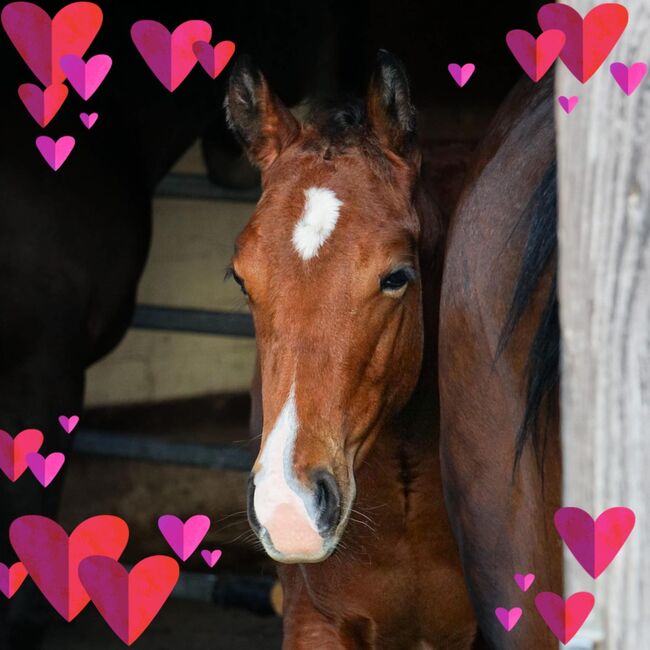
<point x="292" y="536"/>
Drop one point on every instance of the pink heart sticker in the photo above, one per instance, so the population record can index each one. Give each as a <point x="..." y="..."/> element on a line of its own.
<point x="594" y="543"/>
<point x="45" y="468"/>
<point x="170" y="56"/>
<point x="128" y="602"/>
<point x="11" y="578"/>
<point x="42" y="41"/>
<point x="564" y="619"/>
<point x="184" y="538"/>
<point x="55" y="152"/>
<point x="508" y="617"/>
<point x="86" y="76"/>
<point x="213" y="59"/>
<point x="14" y="451"/>
<point x="211" y="557"/>
<point x="52" y="558"/>
<point x="568" y="103"/>
<point x="88" y="121"/>
<point x="461" y="74"/>
<point x="629" y="77"/>
<point x="43" y="105"/>
<point x="535" y="55"/>
<point x="588" y="41"/>
<point x="69" y="423"/>
<point x="524" y="581"/>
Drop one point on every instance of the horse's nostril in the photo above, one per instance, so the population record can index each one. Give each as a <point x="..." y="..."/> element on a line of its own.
<point x="252" y="517"/>
<point x="328" y="500"/>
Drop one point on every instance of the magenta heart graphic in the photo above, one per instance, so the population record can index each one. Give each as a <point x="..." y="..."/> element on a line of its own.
<point x="45" y="468"/>
<point x="629" y="77"/>
<point x="170" y="56"/>
<point x="88" y="121"/>
<point x="508" y="618"/>
<point x="43" y="105"/>
<point x="568" y="103"/>
<point x="55" y="152"/>
<point x="535" y="55"/>
<point x="184" y="538"/>
<point x="461" y="74"/>
<point x="524" y="581"/>
<point x="14" y="451"/>
<point x="594" y="543"/>
<point x="213" y="59"/>
<point x="42" y="41"/>
<point x="211" y="557"/>
<point x="11" y="578"/>
<point x="564" y="618"/>
<point x="86" y="76"/>
<point x="69" y="423"/>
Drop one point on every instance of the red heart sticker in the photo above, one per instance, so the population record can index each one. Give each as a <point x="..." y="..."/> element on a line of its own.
<point x="14" y="451"/>
<point x="594" y="543"/>
<point x="52" y="558"/>
<point x="588" y="41"/>
<point x="128" y="602"/>
<point x="41" y="41"/>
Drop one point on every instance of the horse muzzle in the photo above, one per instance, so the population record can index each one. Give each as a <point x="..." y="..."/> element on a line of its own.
<point x="296" y="522"/>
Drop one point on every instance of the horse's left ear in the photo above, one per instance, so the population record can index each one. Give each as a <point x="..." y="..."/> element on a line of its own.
<point x="261" y="122"/>
<point x="390" y="112"/>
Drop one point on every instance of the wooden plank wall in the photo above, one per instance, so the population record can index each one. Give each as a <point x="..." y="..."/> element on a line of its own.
<point x="604" y="232"/>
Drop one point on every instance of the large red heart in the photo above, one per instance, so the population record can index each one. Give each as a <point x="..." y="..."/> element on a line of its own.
<point x="588" y="41"/>
<point x="170" y="56"/>
<point x="564" y="618"/>
<point x="594" y="543"/>
<point x="128" y="602"/>
<point x="42" y="41"/>
<point x="14" y="451"/>
<point x="52" y="558"/>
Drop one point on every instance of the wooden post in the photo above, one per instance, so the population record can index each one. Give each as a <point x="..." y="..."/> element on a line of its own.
<point x="604" y="262"/>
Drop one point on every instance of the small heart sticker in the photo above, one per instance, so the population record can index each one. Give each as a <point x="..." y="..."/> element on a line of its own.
<point x="524" y="581"/>
<point x="508" y="617"/>
<point x="211" y="557"/>
<point x="213" y="59"/>
<point x="568" y="103"/>
<point x="184" y="538"/>
<point x="45" y="468"/>
<point x="461" y="74"/>
<point x="55" y="152"/>
<point x="11" y="578"/>
<point x="14" y="451"/>
<point x="629" y="77"/>
<point x="69" y="423"/>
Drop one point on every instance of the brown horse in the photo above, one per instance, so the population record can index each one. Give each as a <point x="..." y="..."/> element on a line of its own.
<point x="499" y="359"/>
<point x="341" y="265"/>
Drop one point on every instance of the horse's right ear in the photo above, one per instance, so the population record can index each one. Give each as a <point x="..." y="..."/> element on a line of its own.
<point x="261" y="122"/>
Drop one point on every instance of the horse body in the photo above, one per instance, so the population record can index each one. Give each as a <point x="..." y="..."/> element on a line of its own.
<point x="346" y="491"/>
<point x="499" y="258"/>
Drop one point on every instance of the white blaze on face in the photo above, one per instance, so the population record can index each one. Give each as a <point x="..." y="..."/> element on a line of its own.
<point x="279" y="497"/>
<point x="317" y="222"/>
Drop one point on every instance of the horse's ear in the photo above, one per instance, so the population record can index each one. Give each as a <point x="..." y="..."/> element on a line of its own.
<point x="261" y="122"/>
<point x="390" y="112"/>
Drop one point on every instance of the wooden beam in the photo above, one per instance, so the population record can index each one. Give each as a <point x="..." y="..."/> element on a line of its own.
<point x="604" y="283"/>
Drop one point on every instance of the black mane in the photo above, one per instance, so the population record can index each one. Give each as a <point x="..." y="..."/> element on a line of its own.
<point x="543" y="366"/>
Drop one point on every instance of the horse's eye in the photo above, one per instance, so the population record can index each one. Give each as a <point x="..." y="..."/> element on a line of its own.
<point x="231" y="273"/>
<point x="396" y="280"/>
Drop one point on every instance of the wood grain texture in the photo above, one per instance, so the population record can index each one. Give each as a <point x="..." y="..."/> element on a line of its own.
<point x="604" y="233"/>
